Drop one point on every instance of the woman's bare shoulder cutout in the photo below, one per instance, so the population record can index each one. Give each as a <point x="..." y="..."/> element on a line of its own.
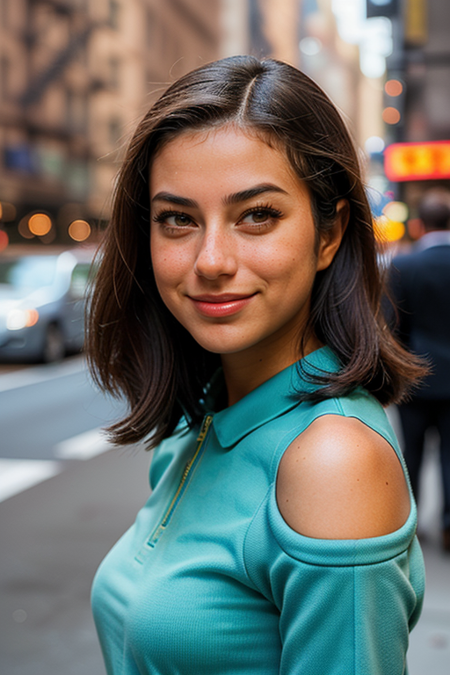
<point x="341" y="480"/>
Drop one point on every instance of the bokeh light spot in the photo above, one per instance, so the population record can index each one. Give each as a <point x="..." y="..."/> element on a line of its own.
<point x="396" y="211"/>
<point x="387" y="230"/>
<point x="393" y="88"/>
<point x="40" y="224"/>
<point x="374" y="144"/>
<point x="391" y="115"/>
<point x="79" y="230"/>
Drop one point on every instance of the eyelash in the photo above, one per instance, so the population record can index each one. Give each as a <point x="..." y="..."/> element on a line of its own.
<point x="272" y="214"/>
<point x="164" y="215"/>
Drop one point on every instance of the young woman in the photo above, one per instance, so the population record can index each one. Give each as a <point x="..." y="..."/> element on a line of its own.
<point x="237" y="309"/>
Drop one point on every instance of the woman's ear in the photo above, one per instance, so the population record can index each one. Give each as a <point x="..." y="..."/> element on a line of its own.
<point x="330" y="242"/>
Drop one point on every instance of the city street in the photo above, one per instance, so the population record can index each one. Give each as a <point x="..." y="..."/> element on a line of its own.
<point x="81" y="496"/>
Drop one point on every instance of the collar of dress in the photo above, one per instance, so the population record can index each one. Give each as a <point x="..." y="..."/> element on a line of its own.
<point x="271" y="399"/>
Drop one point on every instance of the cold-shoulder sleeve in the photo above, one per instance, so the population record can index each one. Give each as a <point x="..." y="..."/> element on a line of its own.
<point x="346" y="606"/>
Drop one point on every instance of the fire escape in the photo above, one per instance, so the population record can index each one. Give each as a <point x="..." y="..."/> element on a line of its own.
<point x="39" y="129"/>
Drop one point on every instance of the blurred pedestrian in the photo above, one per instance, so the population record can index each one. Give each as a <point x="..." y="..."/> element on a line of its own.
<point x="237" y="307"/>
<point x="420" y="285"/>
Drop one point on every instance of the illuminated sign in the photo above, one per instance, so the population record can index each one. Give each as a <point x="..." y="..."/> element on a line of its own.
<point x="417" y="161"/>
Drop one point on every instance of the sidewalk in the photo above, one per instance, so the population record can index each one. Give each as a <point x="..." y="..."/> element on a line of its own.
<point x="429" y="652"/>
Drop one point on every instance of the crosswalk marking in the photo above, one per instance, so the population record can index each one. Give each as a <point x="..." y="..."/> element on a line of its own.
<point x="17" y="475"/>
<point x="38" y="374"/>
<point x="83" y="446"/>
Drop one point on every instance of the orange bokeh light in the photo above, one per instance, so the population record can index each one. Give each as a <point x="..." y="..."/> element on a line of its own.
<point x="391" y="115"/>
<point x="393" y="88"/>
<point x="40" y="224"/>
<point x="388" y="231"/>
<point x="79" y="230"/>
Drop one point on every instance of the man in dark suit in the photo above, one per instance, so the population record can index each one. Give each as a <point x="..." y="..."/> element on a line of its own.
<point x="420" y="286"/>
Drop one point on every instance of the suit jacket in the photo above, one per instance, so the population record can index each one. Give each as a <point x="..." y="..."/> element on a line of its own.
<point x="420" y="286"/>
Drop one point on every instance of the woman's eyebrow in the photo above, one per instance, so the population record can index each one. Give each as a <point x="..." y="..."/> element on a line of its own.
<point x="244" y="195"/>
<point x="174" y="199"/>
<point x="235" y="198"/>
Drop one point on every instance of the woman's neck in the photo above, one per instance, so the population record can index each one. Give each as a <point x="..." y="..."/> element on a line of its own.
<point x="247" y="370"/>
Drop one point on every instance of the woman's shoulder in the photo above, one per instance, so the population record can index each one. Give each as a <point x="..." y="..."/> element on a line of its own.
<point x="358" y="404"/>
<point x="341" y="479"/>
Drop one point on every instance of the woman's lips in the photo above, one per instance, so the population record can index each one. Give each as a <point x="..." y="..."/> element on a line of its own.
<point x="220" y="305"/>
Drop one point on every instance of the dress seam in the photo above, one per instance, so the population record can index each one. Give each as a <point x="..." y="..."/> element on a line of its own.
<point x="244" y="542"/>
<point x="351" y="565"/>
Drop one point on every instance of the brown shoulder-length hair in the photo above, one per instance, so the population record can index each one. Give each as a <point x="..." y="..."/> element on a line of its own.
<point x="135" y="346"/>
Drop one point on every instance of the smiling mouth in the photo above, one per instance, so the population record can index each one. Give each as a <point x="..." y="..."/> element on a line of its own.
<point x="220" y="305"/>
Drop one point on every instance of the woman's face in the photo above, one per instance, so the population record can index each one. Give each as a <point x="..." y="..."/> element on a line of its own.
<point x="233" y="242"/>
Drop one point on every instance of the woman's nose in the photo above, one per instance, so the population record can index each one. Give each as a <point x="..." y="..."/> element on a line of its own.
<point x="216" y="256"/>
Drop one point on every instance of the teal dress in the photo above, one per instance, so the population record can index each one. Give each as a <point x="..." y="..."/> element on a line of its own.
<point x="210" y="580"/>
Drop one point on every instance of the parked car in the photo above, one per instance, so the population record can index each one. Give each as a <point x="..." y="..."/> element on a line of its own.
<point x="42" y="304"/>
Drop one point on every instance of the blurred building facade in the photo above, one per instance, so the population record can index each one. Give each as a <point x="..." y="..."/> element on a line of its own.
<point x="75" y="77"/>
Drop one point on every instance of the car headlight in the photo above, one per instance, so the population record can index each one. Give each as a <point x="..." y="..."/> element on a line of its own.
<point x="21" y="318"/>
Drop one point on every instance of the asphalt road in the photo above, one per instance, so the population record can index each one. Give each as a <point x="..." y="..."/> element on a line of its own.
<point x="55" y="533"/>
<point x="45" y="405"/>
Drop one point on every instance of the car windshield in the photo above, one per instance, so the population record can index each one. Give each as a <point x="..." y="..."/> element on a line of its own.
<point x="28" y="272"/>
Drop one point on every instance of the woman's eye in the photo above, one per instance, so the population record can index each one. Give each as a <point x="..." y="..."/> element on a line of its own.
<point x="173" y="220"/>
<point x="257" y="216"/>
<point x="260" y="216"/>
<point x="178" y="220"/>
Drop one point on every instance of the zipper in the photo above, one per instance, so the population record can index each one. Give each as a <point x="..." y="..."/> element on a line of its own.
<point x="153" y="539"/>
